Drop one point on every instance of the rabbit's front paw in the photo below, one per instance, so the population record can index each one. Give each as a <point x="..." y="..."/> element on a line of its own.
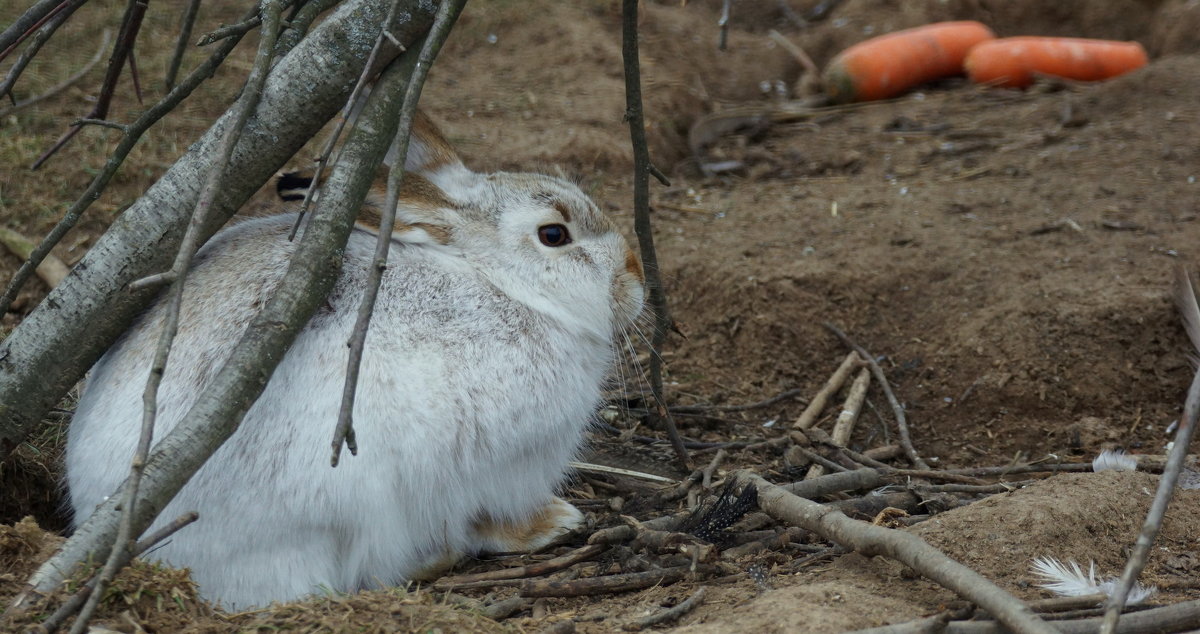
<point x="548" y="523"/>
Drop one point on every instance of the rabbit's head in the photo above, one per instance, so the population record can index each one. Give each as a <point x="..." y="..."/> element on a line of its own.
<point x="539" y="239"/>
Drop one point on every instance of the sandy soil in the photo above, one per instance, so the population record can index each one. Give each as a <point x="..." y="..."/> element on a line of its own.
<point x="1008" y="255"/>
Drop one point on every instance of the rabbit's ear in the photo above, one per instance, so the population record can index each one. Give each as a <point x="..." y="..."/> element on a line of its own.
<point x="425" y="214"/>
<point x="428" y="150"/>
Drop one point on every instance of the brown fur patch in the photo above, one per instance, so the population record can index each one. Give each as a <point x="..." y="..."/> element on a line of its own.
<point x="561" y="208"/>
<point x="438" y="151"/>
<point x="416" y="192"/>
<point x="522" y="535"/>
<point x="633" y="264"/>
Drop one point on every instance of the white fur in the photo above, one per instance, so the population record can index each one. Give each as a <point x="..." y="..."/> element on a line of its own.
<point x="483" y="365"/>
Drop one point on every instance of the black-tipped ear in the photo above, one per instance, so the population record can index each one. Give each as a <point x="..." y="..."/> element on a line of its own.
<point x="293" y="185"/>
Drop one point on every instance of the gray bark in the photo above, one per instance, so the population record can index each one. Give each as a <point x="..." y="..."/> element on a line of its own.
<point x="219" y="410"/>
<point x="56" y="344"/>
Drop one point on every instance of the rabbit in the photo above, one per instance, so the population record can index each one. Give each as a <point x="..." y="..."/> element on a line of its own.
<point x="490" y="344"/>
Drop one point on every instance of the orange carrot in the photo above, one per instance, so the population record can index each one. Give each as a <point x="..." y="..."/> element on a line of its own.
<point x="890" y="64"/>
<point x="1012" y="61"/>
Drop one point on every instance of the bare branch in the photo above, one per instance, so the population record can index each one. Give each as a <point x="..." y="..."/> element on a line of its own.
<point x="1186" y="299"/>
<point x="124" y="542"/>
<point x="447" y="13"/>
<point x="132" y="134"/>
<point x="230" y="30"/>
<point x="900" y="546"/>
<point x="105" y="39"/>
<point x="186" y="23"/>
<point x="897" y="408"/>
<point x="33" y="18"/>
<point x="130" y="26"/>
<point x="48" y="26"/>
<point x="817" y="405"/>
<point x="323" y="160"/>
<point x="669" y="614"/>
<point x="845" y="421"/>
<point x="484" y="579"/>
<point x="641" y="214"/>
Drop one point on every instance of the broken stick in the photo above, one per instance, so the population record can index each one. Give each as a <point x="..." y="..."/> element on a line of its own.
<point x="845" y="421"/>
<point x="835" y="382"/>
<point x="900" y="546"/>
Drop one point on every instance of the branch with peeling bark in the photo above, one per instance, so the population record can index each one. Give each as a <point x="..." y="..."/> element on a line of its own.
<point x="217" y="412"/>
<point x="123" y="543"/>
<point x="55" y="345"/>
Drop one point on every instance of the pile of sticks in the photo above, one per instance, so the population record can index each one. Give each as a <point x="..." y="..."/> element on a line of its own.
<point x="739" y="525"/>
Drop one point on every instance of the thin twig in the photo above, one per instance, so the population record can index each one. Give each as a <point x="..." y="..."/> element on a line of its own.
<point x="795" y="51"/>
<point x="821" y="461"/>
<point x="1052" y="467"/>
<point x="897" y="408"/>
<point x="668" y="615"/>
<point x="133" y="75"/>
<point x="1190" y="310"/>
<point x="641" y="220"/>
<point x="72" y="604"/>
<point x="103" y="123"/>
<point x="124" y="147"/>
<point x="483" y="579"/>
<point x="809" y="416"/>
<point x="906" y="548"/>
<point x="610" y="583"/>
<point x="186" y="23"/>
<point x="698" y="409"/>
<point x="1180" y="617"/>
<point x="230" y="30"/>
<point x="271" y="10"/>
<point x="707" y="474"/>
<point x="322" y="161"/>
<point x="33" y="18"/>
<point x="446" y="15"/>
<point x="845" y="420"/>
<point x="153" y="539"/>
<point x="105" y="39"/>
<point x="723" y="24"/>
<point x="131" y="24"/>
<point x="43" y="33"/>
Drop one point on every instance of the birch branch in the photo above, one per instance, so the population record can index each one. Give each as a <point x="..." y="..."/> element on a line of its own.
<point x="218" y="411"/>
<point x="55" y="345"/>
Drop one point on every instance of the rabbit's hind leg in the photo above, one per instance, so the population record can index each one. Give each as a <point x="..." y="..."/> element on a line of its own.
<point x="539" y="529"/>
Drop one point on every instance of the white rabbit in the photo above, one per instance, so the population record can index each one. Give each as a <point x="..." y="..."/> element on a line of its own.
<point x="484" y="364"/>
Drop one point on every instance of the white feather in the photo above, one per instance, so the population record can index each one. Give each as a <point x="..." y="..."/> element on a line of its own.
<point x="1068" y="580"/>
<point x="1110" y="460"/>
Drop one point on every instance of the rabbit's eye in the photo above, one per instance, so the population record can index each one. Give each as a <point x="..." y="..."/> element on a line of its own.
<point x="554" y="235"/>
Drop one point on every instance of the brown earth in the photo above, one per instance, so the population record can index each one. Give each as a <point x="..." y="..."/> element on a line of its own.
<point x="1008" y="255"/>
